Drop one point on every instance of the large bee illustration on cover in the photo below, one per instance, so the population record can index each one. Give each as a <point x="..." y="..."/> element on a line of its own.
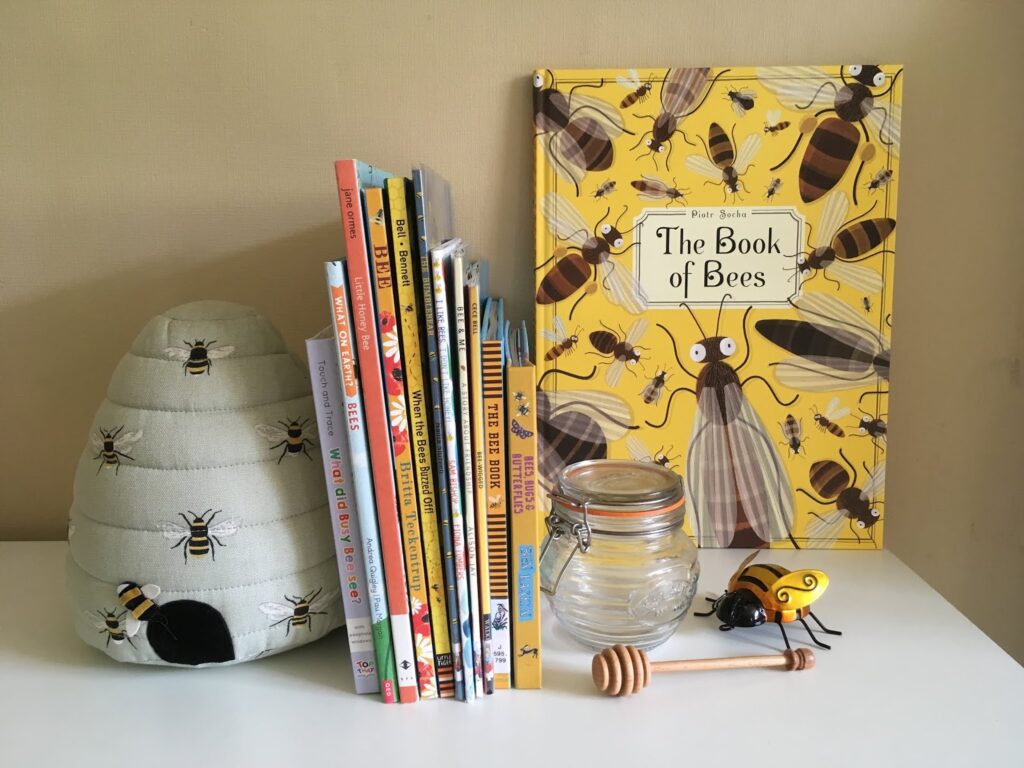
<point x="714" y="274"/>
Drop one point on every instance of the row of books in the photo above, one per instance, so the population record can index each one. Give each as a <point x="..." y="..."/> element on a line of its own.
<point x="424" y="403"/>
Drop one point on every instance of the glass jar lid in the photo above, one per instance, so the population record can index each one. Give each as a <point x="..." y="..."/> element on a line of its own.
<point x="629" y="486"/>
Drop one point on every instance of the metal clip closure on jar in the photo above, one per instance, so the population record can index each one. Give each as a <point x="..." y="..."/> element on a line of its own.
<point x="611" y="498"/>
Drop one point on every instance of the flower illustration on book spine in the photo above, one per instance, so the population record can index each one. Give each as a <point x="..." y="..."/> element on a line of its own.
<point x="420" y="613"/>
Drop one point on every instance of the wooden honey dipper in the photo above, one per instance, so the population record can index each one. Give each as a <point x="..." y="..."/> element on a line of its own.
<point x="623" y="669"/>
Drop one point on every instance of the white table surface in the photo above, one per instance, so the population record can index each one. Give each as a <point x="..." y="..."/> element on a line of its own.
<point x="910" y="683"/>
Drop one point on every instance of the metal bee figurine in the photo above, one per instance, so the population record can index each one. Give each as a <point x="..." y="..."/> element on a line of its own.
<point x="770" y="593"/>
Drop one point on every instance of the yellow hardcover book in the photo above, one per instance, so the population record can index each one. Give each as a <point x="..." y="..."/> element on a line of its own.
<point x="526" y="515"/>
<point x="715" y="251"/>
<point x="405" y="476"/>
<point x="403" y="234"/>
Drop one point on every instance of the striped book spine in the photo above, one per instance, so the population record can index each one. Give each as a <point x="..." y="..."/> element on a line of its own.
<point x="497" y="510"/>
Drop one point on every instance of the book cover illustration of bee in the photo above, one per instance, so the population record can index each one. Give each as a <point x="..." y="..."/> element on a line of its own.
<point x="715" y="251"/>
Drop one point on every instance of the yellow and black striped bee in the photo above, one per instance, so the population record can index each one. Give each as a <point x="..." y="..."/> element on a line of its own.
<point x="196" y="357"/>
<point x="772" y="125"/>
<point x="113" y="447"/>
<point x="299" y="611"/>
<point x="826" y="421"/>
<point x="110" y="624"/>
<point x="292" y="437"/>
<point x="200" y="533"/>
<point x="770" y="593"/>
<point x="139" y="602"/>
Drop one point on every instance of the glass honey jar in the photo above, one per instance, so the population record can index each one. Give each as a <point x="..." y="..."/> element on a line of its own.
<point x="617" y="565"/>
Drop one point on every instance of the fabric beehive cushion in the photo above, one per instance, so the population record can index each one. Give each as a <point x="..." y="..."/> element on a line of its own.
<point x="199" y="531"/>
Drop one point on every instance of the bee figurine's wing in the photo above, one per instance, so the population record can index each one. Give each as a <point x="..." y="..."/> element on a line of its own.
<point x="700" y="164"/>
<point x="132" y="625"/>
<point x="622" y="287"/>
<point x="172" y="530"/>
<point x="227" y="527"/>
<point x="271" y="433"/>
<point x="178" y="353"/>
<point x="219" y="352"/>
<point x="799" y="87"/>
<point x="855" y="275"/>
<point x="832" y="217"/>
<point x="276" y="611"/>
<point x="796" y="590"/>
<point x="747" y="151"/>
<point x="563" y="219"/>
<point x="885" y="119"/>
<point x="152" y="591"/>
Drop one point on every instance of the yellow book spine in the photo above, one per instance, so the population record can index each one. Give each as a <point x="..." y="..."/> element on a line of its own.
<point x="419" y="429"/>
<point x="525" y="527"/>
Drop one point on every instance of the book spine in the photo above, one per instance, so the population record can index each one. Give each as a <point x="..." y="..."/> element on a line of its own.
<point x="440" y="466"/>
<point x="476" y="397"/>
<point x="361" y="482"/>
<point x="439" y="259"/>
<point x="401" y="452"/>
<point x="403" y="237"/>
<point x="497" y="510"/>
<point x="526" y="522"/>
<point x="325" y="376"/>
<point x="458" y="281"/>
<point x="364" y="317"/>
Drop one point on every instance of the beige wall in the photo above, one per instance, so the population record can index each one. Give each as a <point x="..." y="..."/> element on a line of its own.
<point x="157" y="152"/>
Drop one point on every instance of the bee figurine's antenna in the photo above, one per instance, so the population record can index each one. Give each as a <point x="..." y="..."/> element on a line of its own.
<point x="623" y="669"/>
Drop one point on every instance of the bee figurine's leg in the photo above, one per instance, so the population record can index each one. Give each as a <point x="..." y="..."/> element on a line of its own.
<point x="709" y="613"/>
<point x="824" y="629"/>
<point x="814" y="639"/>
<point x="785" y="638"/>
